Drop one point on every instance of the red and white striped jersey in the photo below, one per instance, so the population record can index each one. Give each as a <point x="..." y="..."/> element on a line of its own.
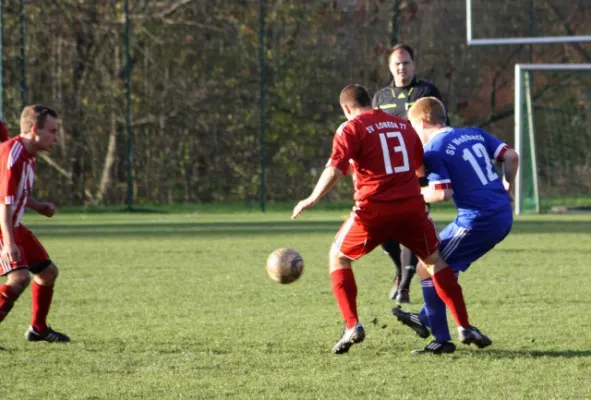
<point x="17" y="174"/>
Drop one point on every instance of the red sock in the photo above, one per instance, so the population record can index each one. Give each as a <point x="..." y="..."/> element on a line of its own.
<point x="345" y="291"/>
<point x="41" y="296"/>
<point x="7" y="298"/>
<point x="450" y="291"/>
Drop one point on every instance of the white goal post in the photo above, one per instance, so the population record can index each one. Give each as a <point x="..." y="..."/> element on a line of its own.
<point x="517" y="40"/>
<point x="523" y="91"/>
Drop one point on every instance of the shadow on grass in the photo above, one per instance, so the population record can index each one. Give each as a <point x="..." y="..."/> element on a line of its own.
<point x="186" y="229"/>
<point x="501" y="353"/>
<point x="250" y="228"/>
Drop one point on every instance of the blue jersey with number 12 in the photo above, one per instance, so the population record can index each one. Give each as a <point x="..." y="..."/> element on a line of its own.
<point x="461" y="159"/>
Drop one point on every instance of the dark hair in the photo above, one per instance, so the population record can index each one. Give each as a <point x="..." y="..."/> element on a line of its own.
<point x="355" y="96"/>
<point x="404" y="47"/>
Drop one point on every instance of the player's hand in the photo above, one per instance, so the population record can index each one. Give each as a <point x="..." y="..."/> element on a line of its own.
<point x="301" y="206"/>
<point x="10" y="253"/>
<point x="509" y="188"/>
<point x="47" y="209"/>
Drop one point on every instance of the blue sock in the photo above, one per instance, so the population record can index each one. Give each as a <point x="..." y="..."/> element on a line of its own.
<point x="434" y="310"/>
<point x="423" y="316"/>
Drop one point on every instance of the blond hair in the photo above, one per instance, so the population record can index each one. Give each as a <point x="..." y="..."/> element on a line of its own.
<point x="428" y="109"/>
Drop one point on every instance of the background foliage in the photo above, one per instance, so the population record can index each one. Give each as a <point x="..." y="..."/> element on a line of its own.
<point x="195" y="85"/>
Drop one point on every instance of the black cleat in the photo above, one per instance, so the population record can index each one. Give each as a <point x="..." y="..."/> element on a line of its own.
<point x="474" y="336"/>
<point x="412" y="321"/>
<point x="394" y="290"/>
<point x="349" y="338"/>
<point x="48" y="336"/>
<point x="403" y="297"/>
<point x="436" y="347"/>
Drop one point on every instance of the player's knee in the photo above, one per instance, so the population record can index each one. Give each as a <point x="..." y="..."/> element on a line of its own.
<point x="422" y="271"/>
<point x="19" y="279"/>
<point x="337" y="260"/>
<point x="48" y="275"/>
<point x="333" y="253"/>
<point x="434" y="263"/>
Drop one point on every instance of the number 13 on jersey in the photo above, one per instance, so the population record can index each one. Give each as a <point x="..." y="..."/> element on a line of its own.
<point x="401" y="148"/>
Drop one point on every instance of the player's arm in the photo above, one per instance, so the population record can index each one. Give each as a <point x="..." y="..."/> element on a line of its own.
<point x="343" y="145"/>
<point x="510" y="160"/>
<point x="10" y="251"/>
<point x="330" y="176"/>
<point x="439" y="184"/>
<point x="433" y="195"/>
<point x="41" y="207"/>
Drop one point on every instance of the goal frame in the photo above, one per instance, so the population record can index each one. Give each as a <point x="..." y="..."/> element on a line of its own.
<point x="522" y="93"/>
<point x="516" y="40"/>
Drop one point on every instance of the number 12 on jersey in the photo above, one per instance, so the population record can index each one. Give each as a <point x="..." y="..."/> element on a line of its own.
<point x="481" y="152"/>
<point x="401" y="148"/>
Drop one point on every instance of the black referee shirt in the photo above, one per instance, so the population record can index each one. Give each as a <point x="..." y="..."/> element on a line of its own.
<point x="397" y="100"/>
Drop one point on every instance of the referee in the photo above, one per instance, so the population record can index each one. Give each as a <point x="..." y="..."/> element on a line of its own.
<point x="396" y="99"/>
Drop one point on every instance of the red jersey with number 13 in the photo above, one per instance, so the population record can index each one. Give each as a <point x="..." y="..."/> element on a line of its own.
<point x="383" y="152"/>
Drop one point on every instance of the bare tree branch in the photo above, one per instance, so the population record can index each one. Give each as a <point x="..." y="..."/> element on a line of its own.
<point x="577" y="46"/>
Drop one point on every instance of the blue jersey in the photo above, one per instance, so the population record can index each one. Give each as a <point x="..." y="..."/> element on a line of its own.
<point x="461" y="159"/>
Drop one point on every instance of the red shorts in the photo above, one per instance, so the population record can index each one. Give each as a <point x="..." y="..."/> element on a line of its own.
<point x="32" y="251"/>
<point x="370" y="224"/>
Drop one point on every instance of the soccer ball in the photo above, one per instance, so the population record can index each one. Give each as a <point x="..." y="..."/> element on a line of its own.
<point x="285" y="265"/>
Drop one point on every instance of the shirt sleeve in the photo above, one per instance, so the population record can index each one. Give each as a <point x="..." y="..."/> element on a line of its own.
<point x="10" y="173"/>
<point x="432" y="91"/>
<point x="344" y="147"/>
<point x="495" y="147"/>
<point x="437" y="173"/>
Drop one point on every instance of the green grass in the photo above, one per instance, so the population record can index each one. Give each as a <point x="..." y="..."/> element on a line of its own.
<point x="179" y="306"/>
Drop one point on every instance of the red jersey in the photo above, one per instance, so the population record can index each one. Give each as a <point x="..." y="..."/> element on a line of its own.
<point x="17" y="174"/>
<point x="383" y="151"/>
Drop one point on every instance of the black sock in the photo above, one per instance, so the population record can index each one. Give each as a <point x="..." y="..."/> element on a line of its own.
<point x="392" y="248"/>
<point x="409" y="267"/>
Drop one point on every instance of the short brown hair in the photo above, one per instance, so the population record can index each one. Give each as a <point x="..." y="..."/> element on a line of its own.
<point x="429" y="109"/>
<point x="355" y="96"/>
<point x="35" y="115"/>
<point x="404" y="47"/>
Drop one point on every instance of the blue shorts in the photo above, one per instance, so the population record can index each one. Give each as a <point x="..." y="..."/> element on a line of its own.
<point x="460" y="247"/>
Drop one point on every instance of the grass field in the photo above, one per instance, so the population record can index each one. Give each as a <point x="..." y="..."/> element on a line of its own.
<point x="179" y="306"/>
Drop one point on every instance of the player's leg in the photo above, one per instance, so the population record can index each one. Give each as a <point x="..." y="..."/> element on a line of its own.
<point x="352" y="242"/>
<point x="421" y="237"/>
<point x="392" y="248"/>
<point x="432" y="317"/>
<point x="344" y="289"/>
<point x="17" y="279"/>
<point x="45" y="273"/>
<point x="461" y="247"/>
<point x="408" y="262"/>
